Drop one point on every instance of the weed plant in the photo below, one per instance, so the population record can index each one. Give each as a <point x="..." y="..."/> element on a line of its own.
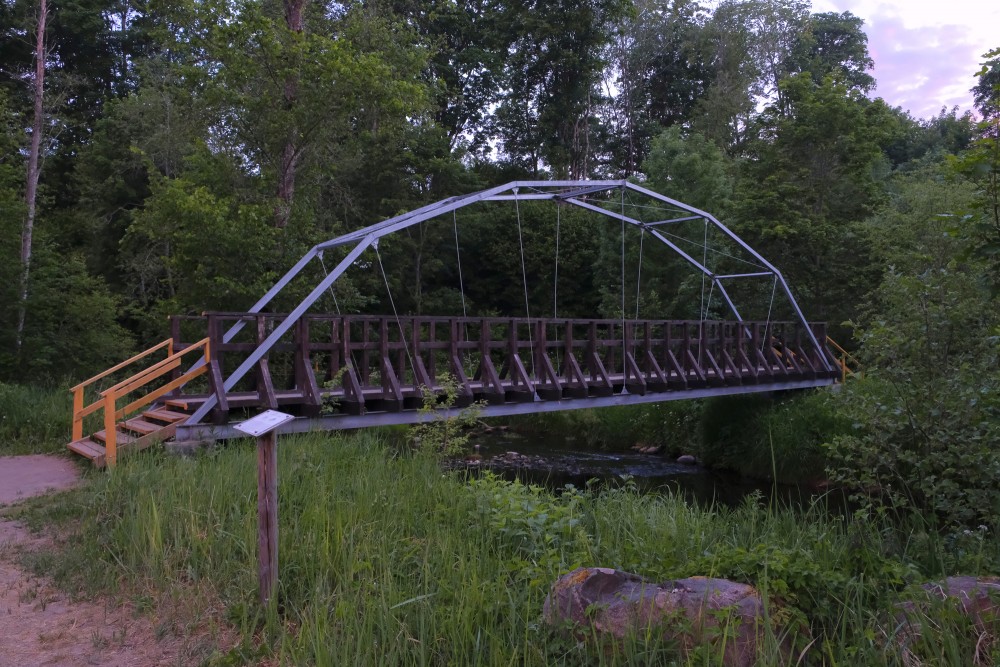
<point x="385" y="560"/>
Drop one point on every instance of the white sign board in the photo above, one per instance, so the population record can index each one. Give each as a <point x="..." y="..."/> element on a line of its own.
<point x="263" y="423"/>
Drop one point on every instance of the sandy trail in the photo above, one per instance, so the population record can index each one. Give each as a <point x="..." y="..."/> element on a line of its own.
<point x="40" y="626"/>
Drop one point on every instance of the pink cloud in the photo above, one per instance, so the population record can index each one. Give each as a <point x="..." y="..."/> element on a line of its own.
<point x="922" y="69"/>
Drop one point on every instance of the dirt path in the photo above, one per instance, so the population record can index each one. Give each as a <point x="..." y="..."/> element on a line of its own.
<point x="41" y="626"/>
<point x="25" y="476"/>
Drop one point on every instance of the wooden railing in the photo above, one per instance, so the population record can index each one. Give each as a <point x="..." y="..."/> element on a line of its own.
<point x="847" y="362"/>
<point x="364" y="362"/>
<point x="108" y="400"/>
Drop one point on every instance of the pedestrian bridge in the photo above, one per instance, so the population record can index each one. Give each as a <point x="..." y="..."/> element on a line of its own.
<point x="345" y="370"/>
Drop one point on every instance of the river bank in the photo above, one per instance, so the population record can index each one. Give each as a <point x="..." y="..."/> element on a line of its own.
<point x="385" y="560"/>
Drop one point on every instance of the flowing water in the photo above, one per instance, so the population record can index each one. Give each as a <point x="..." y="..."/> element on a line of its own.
<point x="555" y="463"/>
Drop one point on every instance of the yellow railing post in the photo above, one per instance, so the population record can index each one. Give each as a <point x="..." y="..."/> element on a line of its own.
<point x="110" y="429"/>
<point x="77" y="417"/>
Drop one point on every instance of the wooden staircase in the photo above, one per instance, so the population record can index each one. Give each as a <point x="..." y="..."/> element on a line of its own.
<point x="151" y="418"/>
<point x="132" y="435"/>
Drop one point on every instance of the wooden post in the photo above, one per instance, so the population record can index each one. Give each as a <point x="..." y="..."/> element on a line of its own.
<point x="267" y="514"/>
<point x="264" y="427"/>
<point x="77" y="409"/>
<point x="111" y="429"/>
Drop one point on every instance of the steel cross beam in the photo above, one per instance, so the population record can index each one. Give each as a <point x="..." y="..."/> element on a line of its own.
<point x="281" y="329"/>
<point x="673" y="246"/>
<point x="743" y="244"/>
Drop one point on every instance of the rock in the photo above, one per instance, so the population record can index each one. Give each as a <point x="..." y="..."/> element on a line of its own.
<point x="601" y="602"/>
<point x="978" y="599"/>
<point x="687" y="459"/>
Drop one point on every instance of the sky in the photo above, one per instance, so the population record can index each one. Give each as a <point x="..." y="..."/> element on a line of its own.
<point x="926" y="52"/>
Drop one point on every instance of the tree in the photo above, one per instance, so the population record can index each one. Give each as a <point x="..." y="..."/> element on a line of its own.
<point x="914" y="141"/>
<point x="980" y="163"/>
<point x="986" y="92"/>
<point x="31" y="188"/>
<point x="751" y="46"/>
<point x="659" y="68"/>
<point x="302" y="89"/>
<point x="805" y="190"/>
<point x="468" y="43"/>
<point x="692" y="170"/>
<point x="924" y="415"/>
<point x="552" y="76"/>
<point x="834" y="44"/>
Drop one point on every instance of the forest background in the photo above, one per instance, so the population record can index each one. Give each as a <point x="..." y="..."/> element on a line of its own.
<point x="175" y="157"/>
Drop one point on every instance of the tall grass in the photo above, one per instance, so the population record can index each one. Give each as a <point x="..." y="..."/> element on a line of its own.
<point x="384" y="560"/>
<point x="33" y="419"/>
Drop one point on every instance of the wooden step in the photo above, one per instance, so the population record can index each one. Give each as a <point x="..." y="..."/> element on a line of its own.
<point x="165" y="415"/>
<point x="185" y="402"/>
<point x="122" y="439"/>
<point x="88" y="449"/>
<point x="141" y="426"/>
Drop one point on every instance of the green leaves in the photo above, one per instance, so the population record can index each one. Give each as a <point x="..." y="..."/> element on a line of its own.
<point x="926" y="410"/>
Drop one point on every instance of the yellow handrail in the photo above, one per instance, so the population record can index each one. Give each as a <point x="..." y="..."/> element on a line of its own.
<point x="168" y="343"/>
<point x="79" y="411"/>
<point x="845" y="370"/>
<point x="109" y="397"/>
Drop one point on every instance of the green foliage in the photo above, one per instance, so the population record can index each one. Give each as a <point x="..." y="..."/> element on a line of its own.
<point x="980" y="164"/>
<point x="552" y="76"/>
<point x="925" y="417"/>
<point x="444" y="430"/>
<point x="835" y="44"/>
<point x="690" y="169"/>
<point x="33" y="419"/>
<point x="373" y="545"/>
<point x="986" y="93"/>
<point x="71" y="328"/>
<point x="777" y="438"/>
<point x="803" y="197"/>
<point x="540" y="533"/>
<point x="192" y="249"/>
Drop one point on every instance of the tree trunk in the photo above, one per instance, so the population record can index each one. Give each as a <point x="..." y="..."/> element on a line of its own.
<point x="290" y="153"/>
<point x="31" y="189"/>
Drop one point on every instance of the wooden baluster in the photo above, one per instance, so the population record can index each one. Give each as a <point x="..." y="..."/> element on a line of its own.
<point x="336" y="324"/>
<point x="174" y="344"/>
<point x="305" y="379"/>
<point x="492" y="386"/>
<point x="366" y="368"/>
<point x="265" y="387"/>
<point x="432" y="352"/>
<point x="455" y="361"/>
<point x="383" y="354"/>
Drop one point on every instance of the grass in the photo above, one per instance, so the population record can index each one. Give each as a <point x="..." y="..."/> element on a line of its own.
<point x="33" y="420"/>
<point x="384" y="560"/>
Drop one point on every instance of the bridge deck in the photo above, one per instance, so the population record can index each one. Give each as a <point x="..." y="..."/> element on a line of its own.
<point x="353" y="371"/>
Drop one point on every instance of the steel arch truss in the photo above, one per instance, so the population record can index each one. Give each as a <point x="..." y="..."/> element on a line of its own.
<point x="572" y="193"/>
